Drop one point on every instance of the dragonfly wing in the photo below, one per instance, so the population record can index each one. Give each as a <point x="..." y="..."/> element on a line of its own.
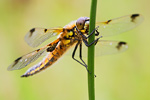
<point x="23" y="61"/>
<point x="36" y="36"/>
<point x="103" y="47"/>
<point x="119" y="25"/>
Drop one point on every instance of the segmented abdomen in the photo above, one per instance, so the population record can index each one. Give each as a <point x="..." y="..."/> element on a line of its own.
<point x="48" y="60"/>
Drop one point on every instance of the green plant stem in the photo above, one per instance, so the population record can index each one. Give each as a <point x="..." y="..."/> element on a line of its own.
<point x="91" y="89"/>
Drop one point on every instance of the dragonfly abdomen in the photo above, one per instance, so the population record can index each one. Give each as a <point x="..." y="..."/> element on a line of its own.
<point x="39" y="67"/>
<point x="50" y="59"/>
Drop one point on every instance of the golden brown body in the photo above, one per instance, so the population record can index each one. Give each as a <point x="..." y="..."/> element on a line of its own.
<point x="73" y="33"/>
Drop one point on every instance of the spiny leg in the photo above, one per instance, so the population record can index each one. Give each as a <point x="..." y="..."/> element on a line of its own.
<point x="95" y="41"/>
<point x="83" y="60"/>
<point x="80" y="55"/>
<point x="97" y="33"/>
<point x="73" y="54"/>
<point x="86" y="43"/>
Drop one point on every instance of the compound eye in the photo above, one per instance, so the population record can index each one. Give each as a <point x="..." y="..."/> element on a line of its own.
<point x="80" y="23"/>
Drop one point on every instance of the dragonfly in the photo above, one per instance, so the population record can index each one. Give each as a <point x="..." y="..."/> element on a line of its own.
<point x="74" y="34"/>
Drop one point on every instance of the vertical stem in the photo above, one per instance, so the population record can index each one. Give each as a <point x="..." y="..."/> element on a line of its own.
<point x="91" y="89"/>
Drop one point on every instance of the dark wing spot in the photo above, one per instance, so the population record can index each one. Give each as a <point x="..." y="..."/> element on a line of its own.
<point x="50" y="49"/>
<point x="31" y="31"/>
<point x="45" y="30"/>
<point x="120" y="45"/>
<point x="107" y="22"/>
<point x="17" y="60"/>
<point x="133" y="17"/>
<point x="37" y="50"/>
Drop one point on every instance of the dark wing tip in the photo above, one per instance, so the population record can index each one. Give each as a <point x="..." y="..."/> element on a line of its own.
<point x="31" y="31"/>
<point x="133" y="17"/>
<point x="45" y="30"/>
<point x="109" y="21"/>
<point x="120" y="44"/>
<point x="15" y="62"/>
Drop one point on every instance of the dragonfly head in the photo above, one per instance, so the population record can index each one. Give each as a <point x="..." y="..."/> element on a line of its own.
<point x="81" y="22"/>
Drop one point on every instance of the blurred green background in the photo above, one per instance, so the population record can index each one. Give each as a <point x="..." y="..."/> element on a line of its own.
<point x="124" y="76"/>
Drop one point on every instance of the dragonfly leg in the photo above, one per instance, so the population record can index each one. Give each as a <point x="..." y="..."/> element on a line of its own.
<point x="97" y="33"/>
<point x="73" y="54"/>
<point x="80" y="55"/>
<point x="94" y="42"/>
<point x="82" y="63"/>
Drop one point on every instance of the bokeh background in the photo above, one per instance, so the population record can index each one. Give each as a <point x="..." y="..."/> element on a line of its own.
<point x="124" y="76"/>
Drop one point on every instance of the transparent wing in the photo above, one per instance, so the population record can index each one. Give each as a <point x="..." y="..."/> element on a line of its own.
<point x="23" y="61"/>
<point x="36" y="36"/>
<point x="103" y="47"/>
<point x="119" y="25"/>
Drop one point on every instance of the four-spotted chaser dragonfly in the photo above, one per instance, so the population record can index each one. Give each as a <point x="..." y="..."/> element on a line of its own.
<point x="74" y="34"/>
